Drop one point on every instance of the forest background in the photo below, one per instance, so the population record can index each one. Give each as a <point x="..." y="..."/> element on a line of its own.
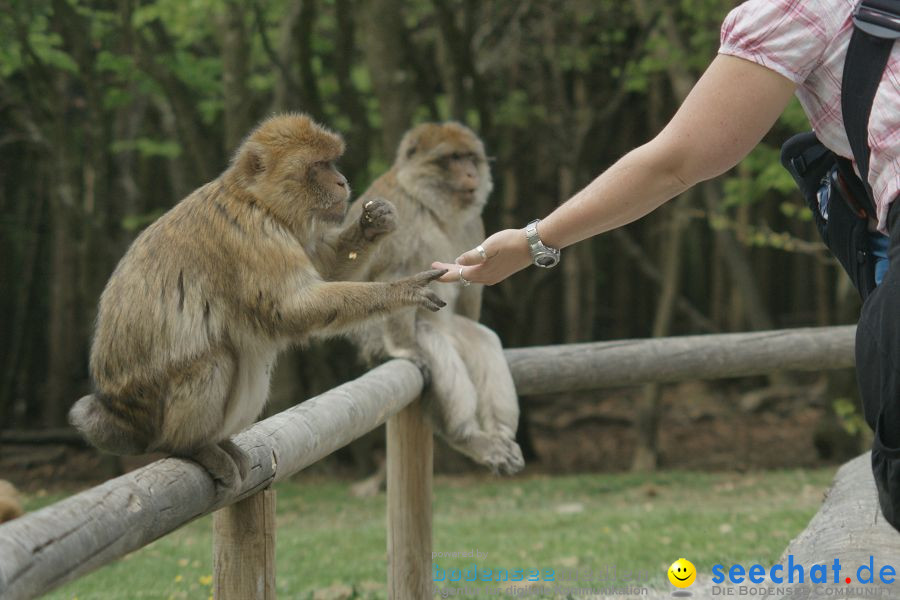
<point x="112" y="111"/>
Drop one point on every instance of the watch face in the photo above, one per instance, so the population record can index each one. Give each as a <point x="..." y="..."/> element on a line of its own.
<point x="545" y="260"/>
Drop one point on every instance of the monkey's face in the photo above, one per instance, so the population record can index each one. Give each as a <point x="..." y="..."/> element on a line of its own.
<point x="303" y="191"/>
<point x="462" y="171"/>
<point x="288" y="164"/>
<point x="329" y="192"/>
<point x="445" y="161"/>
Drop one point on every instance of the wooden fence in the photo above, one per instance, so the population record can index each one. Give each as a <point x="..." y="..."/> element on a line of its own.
<point x="66" y="540"/>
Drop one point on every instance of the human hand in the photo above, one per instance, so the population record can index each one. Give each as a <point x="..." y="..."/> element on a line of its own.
<point x="505" y="253"/>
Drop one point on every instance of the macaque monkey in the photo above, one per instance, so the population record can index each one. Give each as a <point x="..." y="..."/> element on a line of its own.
<point x="10" y="506"/>
<point x="439" y="184"/>
<point x="194" y="315"/>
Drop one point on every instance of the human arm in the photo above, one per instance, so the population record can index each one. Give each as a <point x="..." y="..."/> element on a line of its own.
<point x="724" y="117"/>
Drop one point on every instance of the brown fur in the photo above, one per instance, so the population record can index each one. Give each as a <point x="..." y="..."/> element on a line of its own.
<point x="439" y="184"/>
<point x="192" y="319"/>
<point x="10" y="506"/>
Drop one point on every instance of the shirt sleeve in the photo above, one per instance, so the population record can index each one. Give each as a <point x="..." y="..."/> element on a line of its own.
<point x="787" y="36"/>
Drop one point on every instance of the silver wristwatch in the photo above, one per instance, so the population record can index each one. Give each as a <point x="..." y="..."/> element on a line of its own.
<point x="541" y="255"/>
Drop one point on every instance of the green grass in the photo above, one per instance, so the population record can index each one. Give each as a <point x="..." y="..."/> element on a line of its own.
<point x="326" y="537"/>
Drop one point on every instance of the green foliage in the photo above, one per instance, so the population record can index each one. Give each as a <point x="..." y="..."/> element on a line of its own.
<point x="189" y="22"/>
<point x="849" y="416"/>
<point x="761" y="174"/>
<point x="27" y="37"/>
<point x="135" y="223"/>
<point x="149" y="147"/>
<point x="517" y="110"/>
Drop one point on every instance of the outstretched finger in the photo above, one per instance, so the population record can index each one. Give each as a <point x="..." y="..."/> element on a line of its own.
<point x="452" y="273"/>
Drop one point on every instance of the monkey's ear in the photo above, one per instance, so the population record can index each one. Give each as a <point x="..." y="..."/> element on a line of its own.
<point x="250" y="160"/>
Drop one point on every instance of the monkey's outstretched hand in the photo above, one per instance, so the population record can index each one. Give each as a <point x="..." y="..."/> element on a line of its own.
<point x="419" y="293"/>
<point x="378" y="218"/>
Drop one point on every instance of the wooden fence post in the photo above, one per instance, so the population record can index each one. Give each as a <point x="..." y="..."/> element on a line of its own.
<point x="244" y="549"/>
<point x="410" y="449"/>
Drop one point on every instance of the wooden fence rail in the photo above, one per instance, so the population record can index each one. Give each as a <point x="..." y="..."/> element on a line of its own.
<point x="62" y="542"/>
<point x="579" y="367"/>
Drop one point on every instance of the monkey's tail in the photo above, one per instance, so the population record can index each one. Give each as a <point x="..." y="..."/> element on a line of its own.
<point x="104" y="428"/>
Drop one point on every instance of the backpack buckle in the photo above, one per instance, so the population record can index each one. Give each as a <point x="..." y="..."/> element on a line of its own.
<point x="877" y="19"/>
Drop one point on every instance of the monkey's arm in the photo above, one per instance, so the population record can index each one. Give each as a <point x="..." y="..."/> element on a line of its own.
<point x="331" y="307"/>
<point x="344" y="253"/>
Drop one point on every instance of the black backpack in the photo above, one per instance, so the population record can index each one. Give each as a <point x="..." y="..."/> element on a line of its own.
<point x="842" y="202"/>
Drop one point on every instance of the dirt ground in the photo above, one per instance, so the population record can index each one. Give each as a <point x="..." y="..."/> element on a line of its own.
<point x="701" y="427"/>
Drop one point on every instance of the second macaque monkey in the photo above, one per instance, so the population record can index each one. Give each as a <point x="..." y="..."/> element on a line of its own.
<point x="439" y="184"/>
<point x="191" y="321"/>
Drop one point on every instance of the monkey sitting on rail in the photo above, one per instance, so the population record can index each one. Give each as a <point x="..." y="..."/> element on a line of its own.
<point x="439" y="184"/>
<point x="192" y="318"/>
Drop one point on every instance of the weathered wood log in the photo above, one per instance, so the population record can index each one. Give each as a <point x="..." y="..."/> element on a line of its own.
<point x="410" y="450"/>
<point x="581" y="367"/>
<point x="850" y="528"/>
<point x="244" y="549"/>
<point x="61" y="542"/>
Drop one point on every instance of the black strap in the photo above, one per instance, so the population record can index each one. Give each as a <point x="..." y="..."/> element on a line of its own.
<point x="867" y="58"/>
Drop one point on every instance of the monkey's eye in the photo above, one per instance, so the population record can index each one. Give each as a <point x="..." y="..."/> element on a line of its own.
<point x="456" y="156"/>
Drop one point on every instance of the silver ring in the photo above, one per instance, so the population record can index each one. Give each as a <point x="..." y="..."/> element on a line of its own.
<point x="481" y="251"/>
<point x="465" y="282"/>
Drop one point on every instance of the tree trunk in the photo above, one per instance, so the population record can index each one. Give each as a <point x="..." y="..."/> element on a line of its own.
<point x="735" y="256"/>
<point x="202" y="147"/>
<point x="356" y="160"/>
<point x="646" y="455"/>
<point x="393" y="86"/>
<point x="63" y="350"/>
<point x="235" y="53"/>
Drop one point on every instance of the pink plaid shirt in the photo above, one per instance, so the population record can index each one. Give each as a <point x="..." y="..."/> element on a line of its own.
<point x="806" y="41"/>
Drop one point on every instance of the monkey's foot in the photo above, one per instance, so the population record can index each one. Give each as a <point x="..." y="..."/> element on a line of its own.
<point x="498" y="453"/>
<point x="226" y="463"/>
<point x="241" y="459"/>
<point x="515" y="461"/>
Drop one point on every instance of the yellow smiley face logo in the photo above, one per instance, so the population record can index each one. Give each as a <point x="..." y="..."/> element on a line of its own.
<point x="682" y="573"/>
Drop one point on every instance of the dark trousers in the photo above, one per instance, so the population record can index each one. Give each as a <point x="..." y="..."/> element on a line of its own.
<point x="878" y="374"/>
